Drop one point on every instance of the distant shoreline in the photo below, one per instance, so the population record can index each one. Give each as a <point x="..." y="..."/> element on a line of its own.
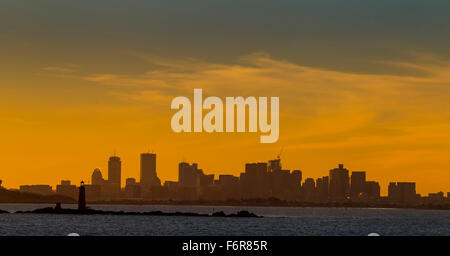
<point x="279" y="204"/>
<point x="258" y="203"/>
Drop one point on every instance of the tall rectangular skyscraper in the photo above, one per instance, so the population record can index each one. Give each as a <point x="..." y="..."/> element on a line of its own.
<point x="358" y="185"/>
<point x="115" y="172"/>
<point x="148" y="170"/>
<point x="339" y="183"/>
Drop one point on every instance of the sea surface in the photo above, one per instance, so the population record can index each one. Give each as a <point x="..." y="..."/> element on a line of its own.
<point x="277" y="221"/>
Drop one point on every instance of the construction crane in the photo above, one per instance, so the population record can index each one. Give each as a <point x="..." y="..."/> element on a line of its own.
<point x="279" y="154"/>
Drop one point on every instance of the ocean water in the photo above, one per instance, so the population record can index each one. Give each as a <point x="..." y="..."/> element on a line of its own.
<point x="277" y="221"/>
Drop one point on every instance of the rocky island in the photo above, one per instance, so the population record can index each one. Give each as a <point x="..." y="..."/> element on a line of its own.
<point x="88" y="211"/>
<point x="82" y="209"/>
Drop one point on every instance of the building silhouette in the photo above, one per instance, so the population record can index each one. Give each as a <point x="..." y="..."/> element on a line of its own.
<point x="254" y="181"/>
<point x="67" y="189"/>
<point x="114" y="174"/>
<point x="97" y="177"/>
<point x="274" y="165"/>
<point x="229" y="185"/>
<point x="95" y="193"/>
<point x="149" y="177"/>
<point x="309" y="190"/>
<point x="372" y="190"/>
<point x="188" y="186"/>
<point x="357" y="185"/>
<point x="402" y="192"/>
<point x="132" y="189"/>
<point x="435" y="198"/>
<point x="188" y="175"/>
<point x="282" y="183"/>
<point x="339" y="184"/>
<point x="322" y="189"/>
<point x="260" y="182"/>
<point x="37" y="189"/>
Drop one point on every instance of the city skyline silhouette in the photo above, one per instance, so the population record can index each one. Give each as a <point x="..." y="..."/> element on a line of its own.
<point x="363" y="88"/>
<point x="259" y="181"/>
<point x="213" y="123"/>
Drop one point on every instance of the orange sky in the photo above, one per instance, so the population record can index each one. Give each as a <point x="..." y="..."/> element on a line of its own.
<point x="393" y="127"/>
<point x="360" y="86"/>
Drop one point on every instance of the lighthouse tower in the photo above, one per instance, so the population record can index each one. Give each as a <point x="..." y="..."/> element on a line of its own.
<point x="82" y="198"/>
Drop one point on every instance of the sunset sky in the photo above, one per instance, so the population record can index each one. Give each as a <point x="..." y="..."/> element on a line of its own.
<point x="364" y="83"/>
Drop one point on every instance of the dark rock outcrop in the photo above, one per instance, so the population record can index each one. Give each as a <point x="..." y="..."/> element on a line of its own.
<point x="88" y="211"/>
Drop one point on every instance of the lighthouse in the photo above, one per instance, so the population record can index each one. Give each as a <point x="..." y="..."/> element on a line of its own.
<point x="82" y="198"/>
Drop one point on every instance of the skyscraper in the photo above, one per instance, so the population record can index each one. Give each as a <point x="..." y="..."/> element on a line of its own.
<point x="358" y="185"/>
<point x="114" y="172"/>
<point x="402" y="192"/>
<point x="97" y="177"/>
<point x="308" y="189"/>
<point x="339" y="183"/>
<point x="372" y="190"/>
<point x="255" y="180"/>
<point x="149" y="177"/>
<point x="274" y="165"/>
<point x="322" y="189"/>
<point x="188" y="175"/>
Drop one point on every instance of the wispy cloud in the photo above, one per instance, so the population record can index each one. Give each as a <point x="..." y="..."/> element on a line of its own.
<point x="260" y="74"/>
<point x="60" y="69"/>
<point x="333" y="109"/>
